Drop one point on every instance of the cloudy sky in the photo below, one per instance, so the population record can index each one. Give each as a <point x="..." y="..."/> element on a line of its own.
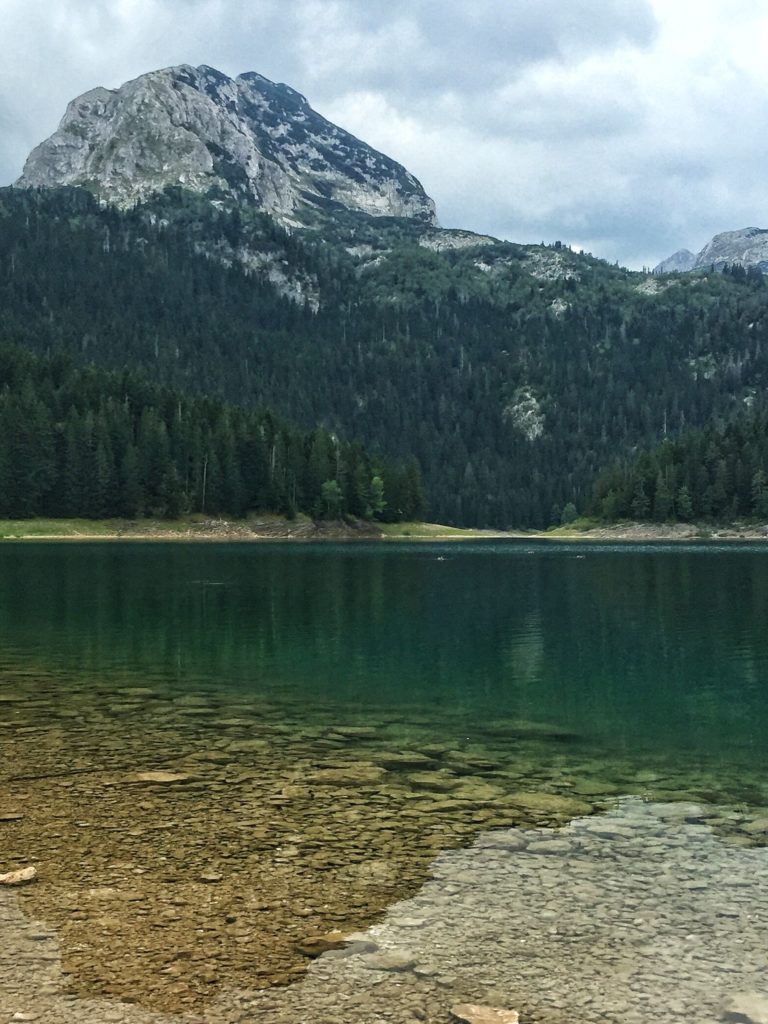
<point x="629" y="128"/>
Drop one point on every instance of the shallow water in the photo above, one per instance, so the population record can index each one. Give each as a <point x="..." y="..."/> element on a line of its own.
<point x="215" y="752"/>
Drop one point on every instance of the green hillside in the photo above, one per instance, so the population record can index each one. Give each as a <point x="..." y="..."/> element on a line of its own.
<point x="514" y="374"/>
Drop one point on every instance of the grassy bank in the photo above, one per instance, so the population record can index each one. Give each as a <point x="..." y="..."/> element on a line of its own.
<point x="252" y="528"/>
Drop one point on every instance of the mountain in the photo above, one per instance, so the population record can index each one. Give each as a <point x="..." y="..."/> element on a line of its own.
<point x="745" y="248"/>
<point x="247" y="138"/>
<point x="678" y="263"/>
<point x="513" y="373"/>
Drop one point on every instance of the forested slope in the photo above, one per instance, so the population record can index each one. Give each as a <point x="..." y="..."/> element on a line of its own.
<point x="514" y="374"/>
<point x="92" y="443"/>
<point x="717" y="473"/>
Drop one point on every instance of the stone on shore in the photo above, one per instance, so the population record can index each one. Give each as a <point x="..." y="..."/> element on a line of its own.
<point x="21" y="877"/>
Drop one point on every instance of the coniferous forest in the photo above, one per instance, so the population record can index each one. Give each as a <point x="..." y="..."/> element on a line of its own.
<point x="718" y="473"/>
<point x="90" y="443"/>
<point x="513" y="375"/>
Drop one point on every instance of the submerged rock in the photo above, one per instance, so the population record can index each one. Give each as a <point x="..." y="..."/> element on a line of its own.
<point x="395" y="961"/>
<point x="757" y="826"/>
<point x="435" y="781"/>
<point x="353" y="775"/>
<point x="20" y="877"/>
<point x="394" y="760"/>
<point x="316" y="945"/>
<point x="161" y="777"/>
<point x="471" y="1013"/>
<point x="551" y="803"/>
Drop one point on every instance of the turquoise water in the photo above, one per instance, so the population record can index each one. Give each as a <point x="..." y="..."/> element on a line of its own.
<point x="212" y="752"/>
<point x="643" y="649"/>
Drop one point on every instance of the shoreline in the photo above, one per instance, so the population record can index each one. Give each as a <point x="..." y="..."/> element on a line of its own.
<point x="254" y="529"/>
<point x="659" y="533"/>
<point x="302" y="529"/>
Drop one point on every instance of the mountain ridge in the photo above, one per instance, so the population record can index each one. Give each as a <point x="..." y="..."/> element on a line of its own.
<point x="745" y="247"/>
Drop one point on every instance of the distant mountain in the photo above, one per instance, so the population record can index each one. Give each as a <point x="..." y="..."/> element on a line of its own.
<point x="247" y="137"/>
<point x="745" y="248"/>
<point x="678" y="263"/>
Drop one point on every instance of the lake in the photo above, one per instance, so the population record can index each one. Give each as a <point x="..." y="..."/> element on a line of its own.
<point x="535" y="773"/>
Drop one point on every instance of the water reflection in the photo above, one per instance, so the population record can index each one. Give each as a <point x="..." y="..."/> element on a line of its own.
<point x="648" y="650"/>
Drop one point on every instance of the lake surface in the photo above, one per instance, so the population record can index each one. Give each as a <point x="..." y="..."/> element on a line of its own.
<point x="216" y="753"/>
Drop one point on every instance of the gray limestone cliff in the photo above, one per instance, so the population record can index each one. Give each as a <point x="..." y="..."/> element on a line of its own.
<point x="246" y="137"/>
<point x="747" y="247"/>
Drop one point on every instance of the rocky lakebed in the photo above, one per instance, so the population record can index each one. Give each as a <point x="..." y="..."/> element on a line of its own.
<point x="213" y="857"/>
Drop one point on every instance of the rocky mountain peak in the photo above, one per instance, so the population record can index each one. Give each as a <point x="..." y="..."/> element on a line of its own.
<point x="246" y="137"/>
<point x="747" y="247"/>
<point x="678" y="263"/>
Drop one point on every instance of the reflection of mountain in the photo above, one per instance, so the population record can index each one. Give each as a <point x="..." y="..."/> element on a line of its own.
<point x="524" y="657"/>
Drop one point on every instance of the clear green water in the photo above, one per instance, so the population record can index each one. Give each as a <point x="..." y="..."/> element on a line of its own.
<point x="212" y="752"/>
<point x="660" y="650"/>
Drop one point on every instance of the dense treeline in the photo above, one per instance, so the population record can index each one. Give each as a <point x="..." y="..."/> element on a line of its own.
<point x="87" y="442"/>
<point x="513" y="374"/>
<point x="718" y="473"/>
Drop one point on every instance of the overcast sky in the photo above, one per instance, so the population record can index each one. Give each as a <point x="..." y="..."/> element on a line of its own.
<point x="629" y="128"/>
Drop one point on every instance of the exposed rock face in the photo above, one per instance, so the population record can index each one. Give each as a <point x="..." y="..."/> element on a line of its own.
<point x="678" y="263"/>
<point x="747" y="248"/>
<point x="198" y="129"/>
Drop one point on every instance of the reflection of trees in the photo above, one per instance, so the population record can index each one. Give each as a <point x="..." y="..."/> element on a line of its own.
<point x="651" y="648"/>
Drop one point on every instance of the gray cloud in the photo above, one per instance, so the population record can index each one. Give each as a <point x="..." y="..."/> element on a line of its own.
<point x="623" y="126"/>
<point x="425" y="46"/>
